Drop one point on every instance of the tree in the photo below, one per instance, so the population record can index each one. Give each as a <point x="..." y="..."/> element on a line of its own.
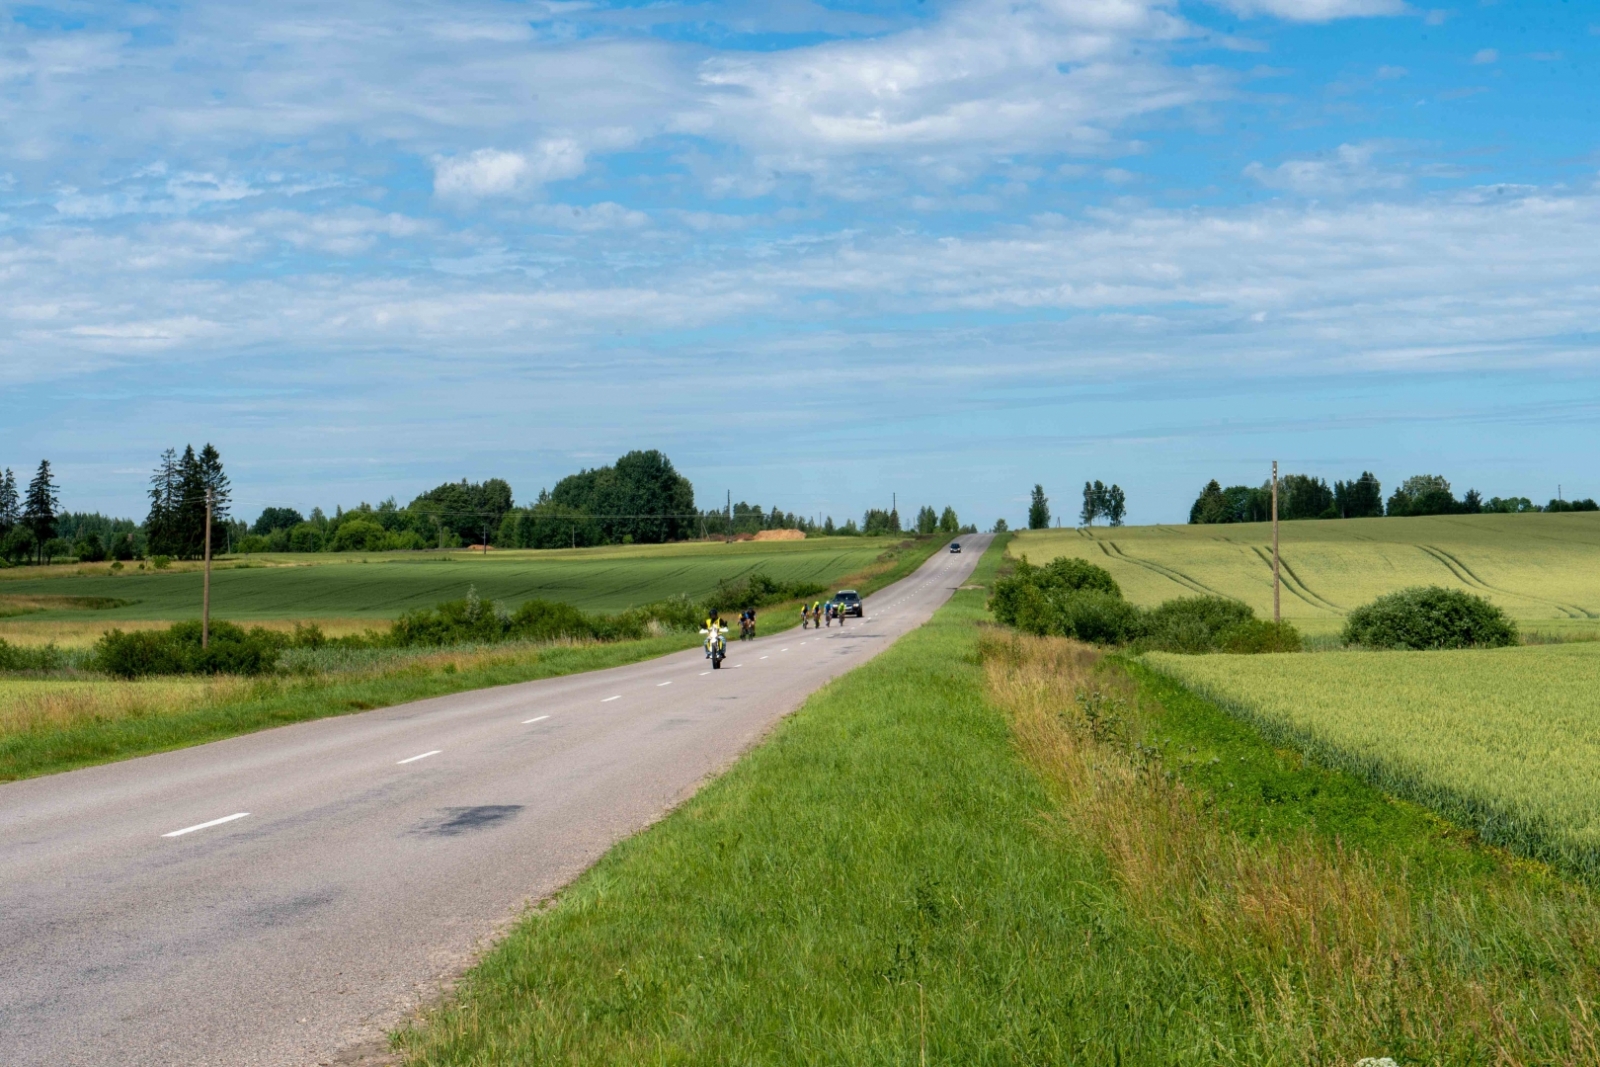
<point x="1301" y="496"/>
<point x="878" y="522"/>
<point x="1000" y="526"/>
<point x="189" y="510"/>
<point x="1359" y="499"/>
<point x="1039" y="510"/>
<point x="1210" y="506"/>
<point x="927" y="520"/>
<point x="1423" y="494"/>
<point x="273" y="519"/>
<point x="1116" y="504"/>
<point x="39" y="508"/>
<point x="160" y="526"/>
<point x="948" y="522"/>
<point x="213" y="479"/>
<point x="10" y="504"/>
<point x="1091" y="505"/>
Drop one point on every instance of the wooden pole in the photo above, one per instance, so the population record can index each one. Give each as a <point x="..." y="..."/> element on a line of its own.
<point x="1276" y="617"/>
<point x="205" y="597"/>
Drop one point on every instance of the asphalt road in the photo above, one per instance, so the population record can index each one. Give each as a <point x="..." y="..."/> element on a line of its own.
<point x="279" y="899"/>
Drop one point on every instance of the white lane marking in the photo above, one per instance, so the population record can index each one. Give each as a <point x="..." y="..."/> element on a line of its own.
<point x="660" y="684"/>
<point x="704" y="673"/>
<point x="763" y="657"/>
<point x="425" y="755"/>
<point x="538" y="718"/>
<point x="608" y="700"/>
<point x="783" y="650"/>
<point x="207" y="825"/>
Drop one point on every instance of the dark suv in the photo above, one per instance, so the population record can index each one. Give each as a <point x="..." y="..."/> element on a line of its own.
<point x="849" y="602"/>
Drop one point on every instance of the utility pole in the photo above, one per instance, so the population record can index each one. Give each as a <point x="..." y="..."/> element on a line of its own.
<point x="1276" y="618"/>
<point x="729" y="527"/>
<point x="205" y="597"/>
<point x="485" y="539"/>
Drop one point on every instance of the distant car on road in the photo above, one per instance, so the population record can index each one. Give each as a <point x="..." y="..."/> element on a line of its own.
<point x="955" y="546"/>
<point x="849" y="603"/>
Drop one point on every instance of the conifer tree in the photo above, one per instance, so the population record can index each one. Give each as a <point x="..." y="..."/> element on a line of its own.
<point x="10" y="504"/>
<point x="161" y="526"/>
<point x="39" y="510"/>
<point x="215" y="480"/>
<point x="190" y="518"/>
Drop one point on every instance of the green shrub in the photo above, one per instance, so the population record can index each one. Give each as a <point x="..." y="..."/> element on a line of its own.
<point x="1095" y="616"/>
<point x="1027" y="588"/>
<point x="1201" y="624"/>
<point x="16" y="658"/>
<point x="1429" y="617"/>
<point x="160" y="563"/>
<point x="547" y="620"/>
<point x="177" y="650"/>
<point x="756" y="590"/>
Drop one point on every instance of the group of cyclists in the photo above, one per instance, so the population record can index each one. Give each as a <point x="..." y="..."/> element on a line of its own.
<point x="815" y="614"/>
<point x="819" y="614"/>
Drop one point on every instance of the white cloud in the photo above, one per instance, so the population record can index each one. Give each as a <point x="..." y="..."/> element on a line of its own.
<point x="1350" y="169"/>
<point x="491" y="172"/>
<point x="1486" y="55"/>
<point x="1315" y="10"/>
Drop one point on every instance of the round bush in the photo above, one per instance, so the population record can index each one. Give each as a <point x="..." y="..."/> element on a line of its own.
<point x="1194" y="624"/>
<point x="1098" y="617"/>
<point x="1427" y="618"/>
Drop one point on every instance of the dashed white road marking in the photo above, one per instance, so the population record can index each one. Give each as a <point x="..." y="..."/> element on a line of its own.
<point x="704" y="673"/>
<point x="783" y="650"/>
<point x="763" y="657"/>
<point x="660" y="684"/>
<point x="425" y="755"/>
<point x="608" y="700"/>
<point x="207" y="825"/>
<point x="537" y="718"/>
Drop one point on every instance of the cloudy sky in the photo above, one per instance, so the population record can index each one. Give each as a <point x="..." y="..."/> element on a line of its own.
<point x="819" y="253"/>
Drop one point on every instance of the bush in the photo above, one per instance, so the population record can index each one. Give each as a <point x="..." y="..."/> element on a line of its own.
<point x="160" y="563"/>
<point x="1095" y="616"/>
<point x="15" y="658"/>
<point x="547" y="620"/>
<point x="176" y="650"/>
<point x="90" y="549"/>
<point x="1259" y="635"/>
<point x="1428" y="618"/>
<point x="756" y="590"/>
<point x="1021" y="591"/>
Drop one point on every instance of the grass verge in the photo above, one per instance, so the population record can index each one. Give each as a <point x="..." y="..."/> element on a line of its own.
<point x="981" y="850"/>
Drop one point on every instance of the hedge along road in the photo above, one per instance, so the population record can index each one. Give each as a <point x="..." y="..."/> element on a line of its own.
<point x="276" y="898"/>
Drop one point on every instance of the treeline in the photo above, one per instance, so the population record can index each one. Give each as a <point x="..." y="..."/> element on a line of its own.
<point x="1303" y="496"/>
<point x="640" y="499"/>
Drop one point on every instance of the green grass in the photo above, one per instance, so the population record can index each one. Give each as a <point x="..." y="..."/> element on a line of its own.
<point x="1504" y="741"/>
<point x="354" y="586"/>
<point x="883" y="881"/>
<point x="1543" y="569"/>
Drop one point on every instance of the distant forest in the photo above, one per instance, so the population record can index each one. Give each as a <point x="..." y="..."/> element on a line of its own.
<point x="639" y="499"/>
<point x="1303" y="496"/>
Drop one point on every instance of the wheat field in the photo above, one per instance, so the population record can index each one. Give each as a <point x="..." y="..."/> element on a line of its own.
<point x="1544" y="570"/>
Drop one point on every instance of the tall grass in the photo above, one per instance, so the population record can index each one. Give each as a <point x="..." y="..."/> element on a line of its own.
<point x="1334" y="951"/>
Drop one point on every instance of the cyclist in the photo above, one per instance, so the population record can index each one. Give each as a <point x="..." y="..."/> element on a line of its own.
<point x="713" y="621"/>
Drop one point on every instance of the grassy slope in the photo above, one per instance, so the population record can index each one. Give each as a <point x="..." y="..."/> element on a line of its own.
<point x="117" y="723"/>
<point x="1503" y="740"/>
<point x="382" y="586"/>
<point x="877" y="884"/>
<point x="1540" y="568"/>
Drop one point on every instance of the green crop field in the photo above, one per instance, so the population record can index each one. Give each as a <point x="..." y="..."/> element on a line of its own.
<point x="1543" y="569"/>
<point x="378" y="587"/>
<point x="1505" y="740"/>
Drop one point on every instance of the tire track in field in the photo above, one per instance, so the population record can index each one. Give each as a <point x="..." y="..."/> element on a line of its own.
<point x="1294" y="584"/>
<point x="1192" y="584"/>
<point x="1471" y="580"/>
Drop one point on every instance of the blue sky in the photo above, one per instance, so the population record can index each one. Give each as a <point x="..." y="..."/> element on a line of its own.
<point x="818" y="253"/>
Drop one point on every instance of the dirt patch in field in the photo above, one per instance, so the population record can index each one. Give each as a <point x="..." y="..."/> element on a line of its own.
<point x="780" y="535"/>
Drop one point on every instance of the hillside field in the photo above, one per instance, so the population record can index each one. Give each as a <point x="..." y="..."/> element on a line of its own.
<point x="350" y="591"/>
<point x="1544" y="570"/>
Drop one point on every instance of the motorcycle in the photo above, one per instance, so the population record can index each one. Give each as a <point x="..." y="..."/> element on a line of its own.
<point x="716" y="645"/>
<point x="747" y="629"/>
